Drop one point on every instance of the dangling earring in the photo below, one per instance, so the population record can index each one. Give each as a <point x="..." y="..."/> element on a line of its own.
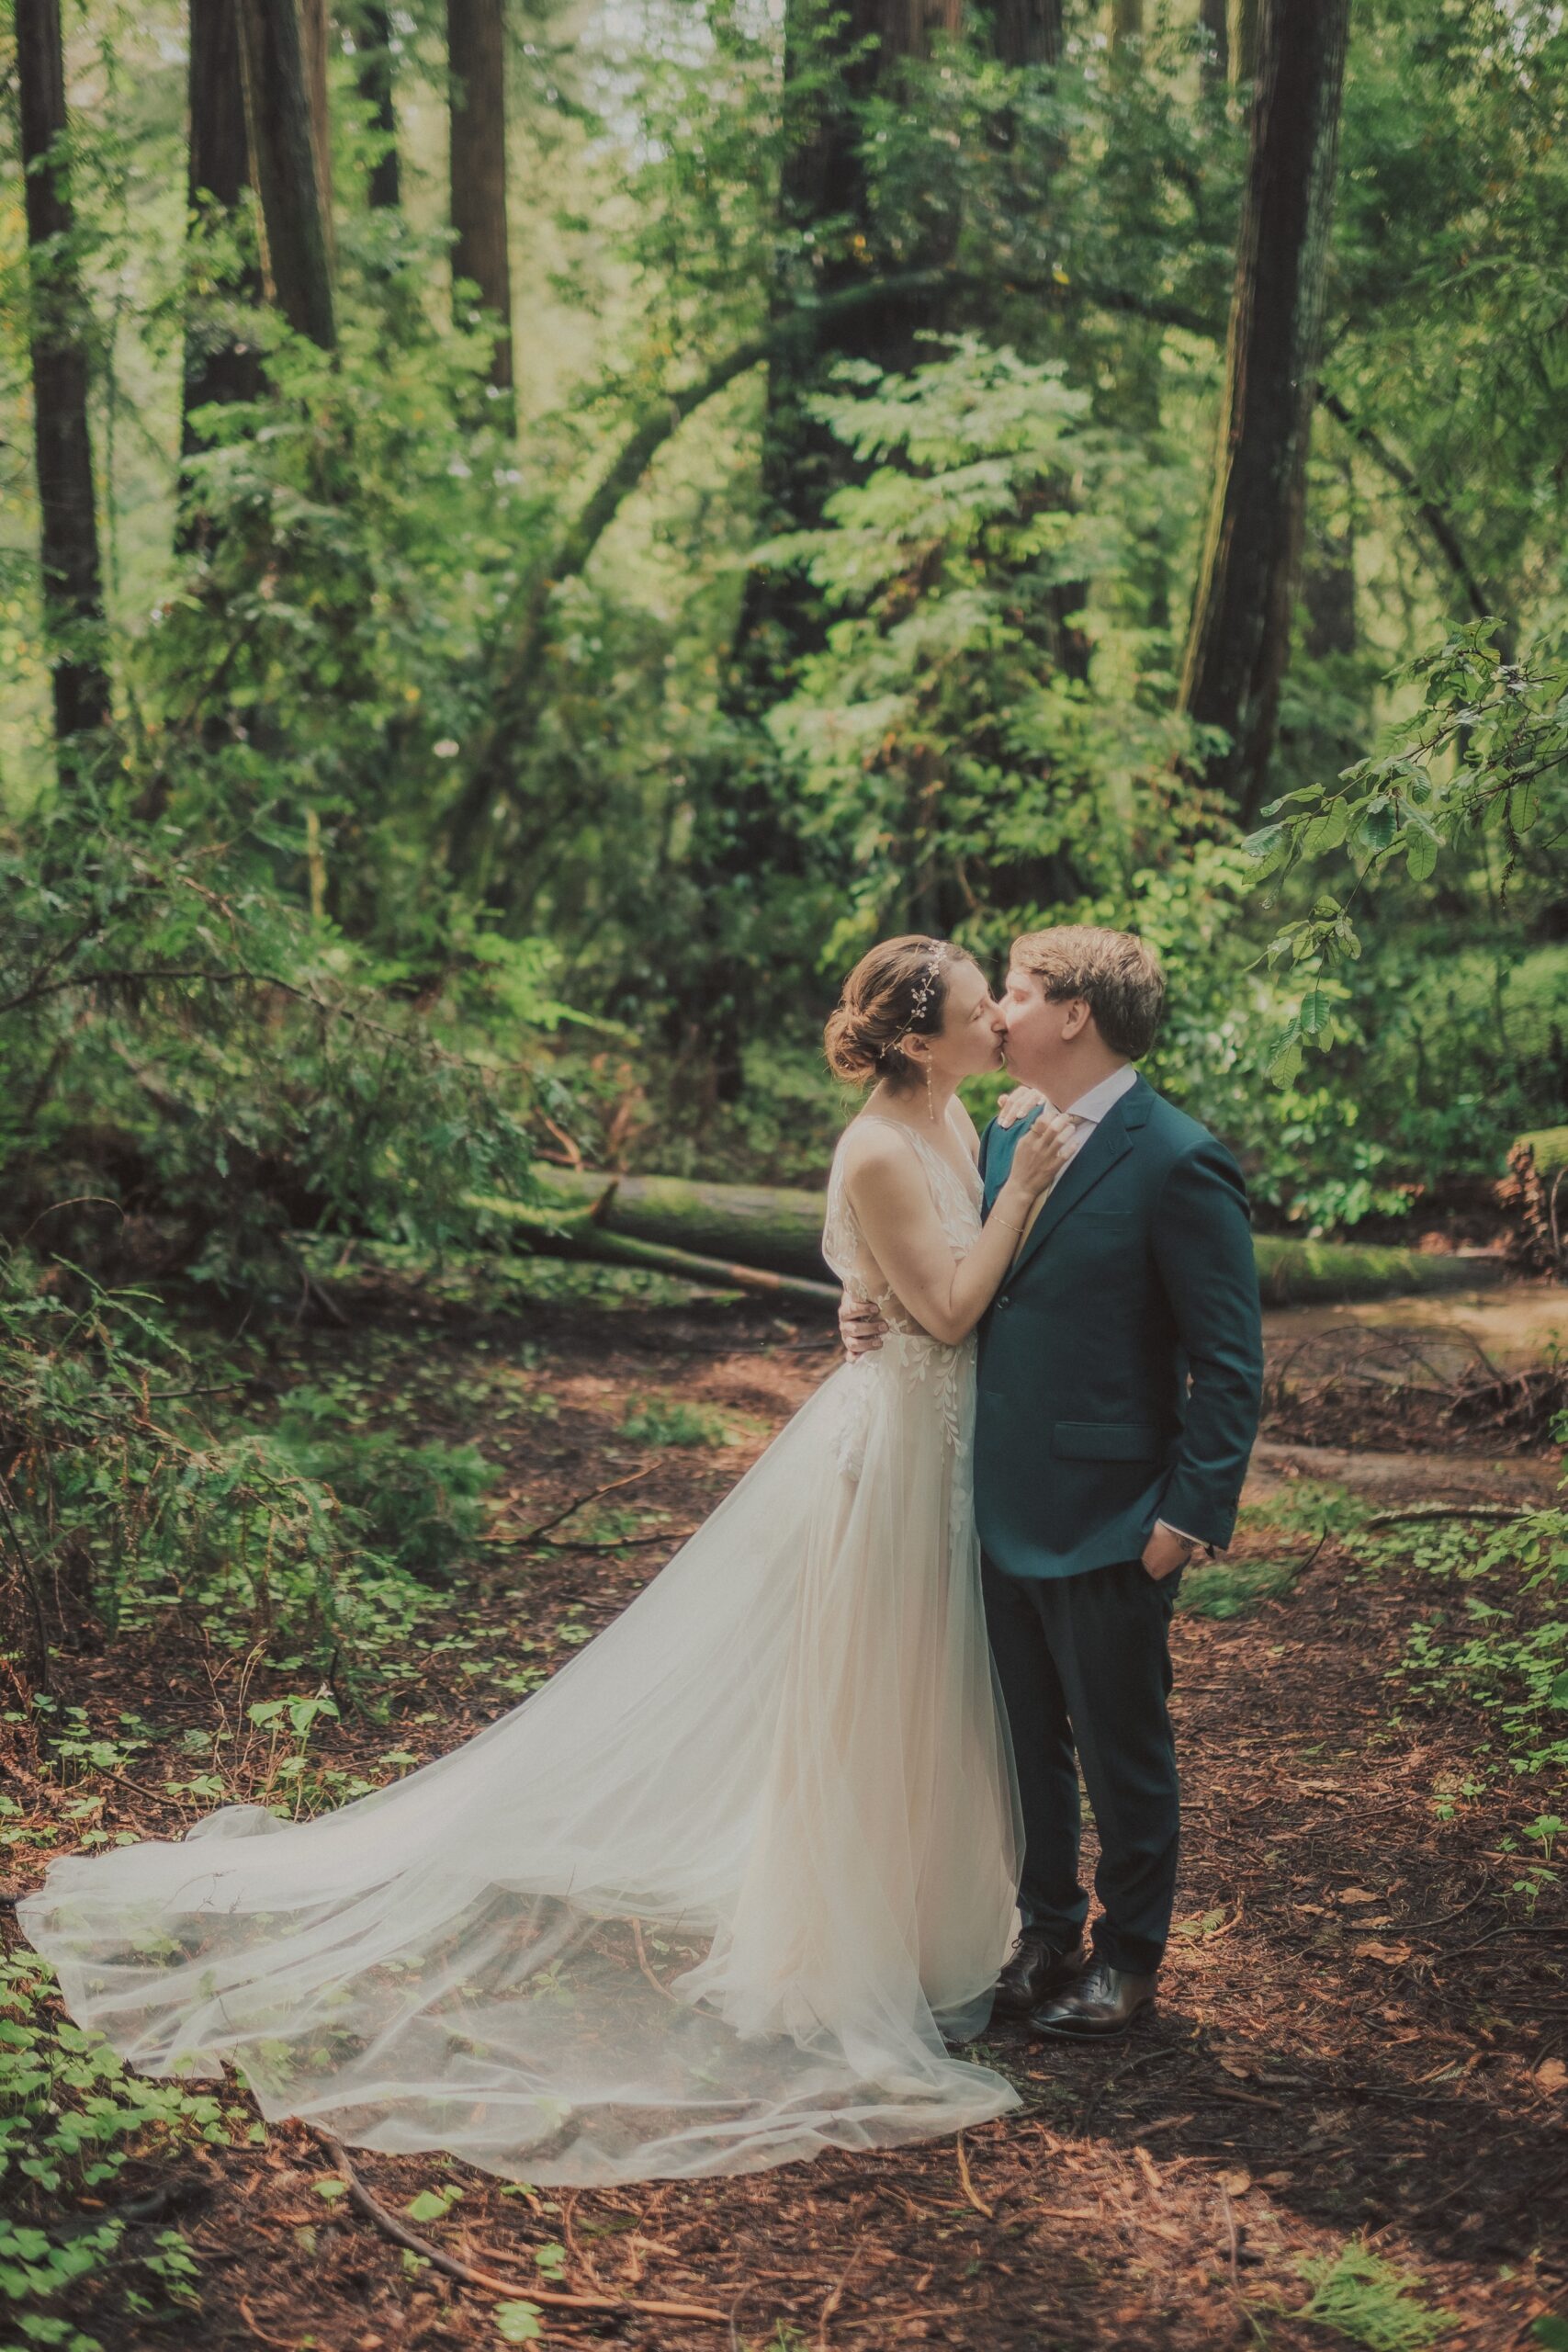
<point x="930" y="1098"/>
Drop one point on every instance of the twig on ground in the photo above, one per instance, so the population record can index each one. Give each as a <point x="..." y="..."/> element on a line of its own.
<point x="1448" y="1510"/>
<point x="970" y="2190"/>
<point x="577" y="1503"/>
<point x="1509" y="1927"/>
<point x="282" y="2342"/>
<point x="643" y="1962"/>
<point x="1230" y="2231"/>
<point x="401" y="2235"/>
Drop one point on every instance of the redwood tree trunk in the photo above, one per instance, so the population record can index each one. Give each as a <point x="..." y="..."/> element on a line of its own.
<point x="476" y="45"/>
<point x="1239" y="634"/>
<point x="73" y="588"/>
<point x="823" y="178"/>
<point x="375" y="71"/>
<point x="216" y="366"/>
<point x="284" y="157"/>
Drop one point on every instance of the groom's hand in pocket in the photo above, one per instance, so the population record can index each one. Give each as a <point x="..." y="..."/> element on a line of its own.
<point x="861" y="1326"/>
<point x="1165" y="1552"/>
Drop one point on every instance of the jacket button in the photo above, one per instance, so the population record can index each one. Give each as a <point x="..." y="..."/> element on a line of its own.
<point x="1003" y="1300"/>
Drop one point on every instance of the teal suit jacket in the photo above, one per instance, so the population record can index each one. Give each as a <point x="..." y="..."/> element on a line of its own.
<point x="1120" y="1363"/>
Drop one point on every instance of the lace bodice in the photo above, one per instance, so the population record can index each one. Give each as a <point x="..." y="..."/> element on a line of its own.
<point x="956" y="1198"/>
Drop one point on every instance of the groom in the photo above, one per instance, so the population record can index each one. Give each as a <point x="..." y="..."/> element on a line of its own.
<point x="1119" y="1375"/>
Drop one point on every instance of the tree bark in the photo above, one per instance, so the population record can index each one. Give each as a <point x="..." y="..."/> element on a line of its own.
<point x="376" y="71"/>
<point x="68" y="529"/>
<point x="476" y="44"/>
<point x="1243" y="35"/>
<point x="315" y="39"/>
<point x="284" y="158"/>
<point x="216" y="366"/>
<point x="1027" y="32"/>
<point x="823" y="178"/>
<point x="1239" y="636"/>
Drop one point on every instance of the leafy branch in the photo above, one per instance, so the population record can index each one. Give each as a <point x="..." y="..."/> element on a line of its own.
<point x="1487" y="754"/>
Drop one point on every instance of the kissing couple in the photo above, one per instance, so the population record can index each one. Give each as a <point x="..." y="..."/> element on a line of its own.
<point x="740" y="1880"/>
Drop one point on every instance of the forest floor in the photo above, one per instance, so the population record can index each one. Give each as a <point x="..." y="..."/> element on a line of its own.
<point x="1345" y="2119"/>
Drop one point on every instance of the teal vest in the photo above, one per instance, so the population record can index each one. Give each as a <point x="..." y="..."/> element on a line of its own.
<point x="1120" y="1363"/>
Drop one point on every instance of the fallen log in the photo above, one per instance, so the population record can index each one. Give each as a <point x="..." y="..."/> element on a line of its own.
<point x="1548" y="1148"/>
<point x="772" y="1226"/>
<point x="581" y="1234"/>
<point x="763" y="1225"/>
<point x="1328" y="1274"/>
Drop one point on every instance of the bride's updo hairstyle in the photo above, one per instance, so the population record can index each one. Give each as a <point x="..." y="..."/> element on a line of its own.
<point x="898" y="989"/>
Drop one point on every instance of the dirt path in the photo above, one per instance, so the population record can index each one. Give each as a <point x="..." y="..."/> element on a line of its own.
<point x="1358" y="2031"/>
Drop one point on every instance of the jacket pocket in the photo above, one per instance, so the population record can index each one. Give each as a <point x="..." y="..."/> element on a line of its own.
<point x="1108" y="1440"/>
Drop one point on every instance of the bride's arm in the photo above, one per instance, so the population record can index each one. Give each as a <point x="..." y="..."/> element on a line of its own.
<point x="893" y="1205"/>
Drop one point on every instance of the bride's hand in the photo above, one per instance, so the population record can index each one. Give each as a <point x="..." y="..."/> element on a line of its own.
<point x="1041" y="1152"/>
<point x="1016" y="1105"/>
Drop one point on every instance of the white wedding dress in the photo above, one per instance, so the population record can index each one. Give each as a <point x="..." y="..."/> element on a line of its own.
<point x="717" y="1896"/>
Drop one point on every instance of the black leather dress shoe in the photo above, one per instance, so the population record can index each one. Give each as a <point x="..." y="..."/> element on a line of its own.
<point x="1104" y="2000"/>
<point x="1038" y="1968"/>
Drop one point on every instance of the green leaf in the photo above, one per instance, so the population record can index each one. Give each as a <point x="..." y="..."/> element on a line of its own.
<point x="1286" y="1065"/>
<point x="1552" y="2331"/>
<point x="519" y="2323"/>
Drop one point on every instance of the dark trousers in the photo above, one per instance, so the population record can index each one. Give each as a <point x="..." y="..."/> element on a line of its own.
<point x="1085" y="1669"/>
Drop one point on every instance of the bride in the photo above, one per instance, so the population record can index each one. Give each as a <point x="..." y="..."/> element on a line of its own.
<point x="723" y="1892"/>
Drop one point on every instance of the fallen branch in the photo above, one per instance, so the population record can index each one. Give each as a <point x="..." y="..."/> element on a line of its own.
<point x="568" y="1233"/>
<point x="1449" y="1510"/>
<point x="970" y="2190"/>
<point x="579" y="1503"/>
<point x="401" y="2235"/>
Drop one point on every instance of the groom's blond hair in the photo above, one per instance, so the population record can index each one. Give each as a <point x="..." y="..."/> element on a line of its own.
<point x="1117" y="975"/>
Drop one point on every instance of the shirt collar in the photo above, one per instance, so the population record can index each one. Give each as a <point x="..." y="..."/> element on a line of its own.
<point x="1094" y="1105"/>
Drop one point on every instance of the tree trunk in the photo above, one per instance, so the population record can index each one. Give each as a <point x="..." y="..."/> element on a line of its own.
<point x="315" y="39"/>
<point x="1239" y="637"/>
<point x="1126" y="23"/>
<point x="739" y="826"/>
<point x="284" y="158"/>
<point x="1328" y="590"/>
<point x="1244" y="34"/>
<point x="1027" y="32"/>
<point x="217" y="368"/>
<point x="1215" y="69"/>
<point x="823" y="178"/>
<point x="476" y="43"/>
<point x="68" y="530"/>
<point x="376" y="71"/>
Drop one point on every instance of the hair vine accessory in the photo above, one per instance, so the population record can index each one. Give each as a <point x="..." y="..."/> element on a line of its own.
<point x="918" y="1000"/>
<point x="922" y="997"/>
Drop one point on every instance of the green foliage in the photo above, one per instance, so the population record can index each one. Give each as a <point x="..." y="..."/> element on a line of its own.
<point x="1222" y="1588"/>
<point x="1496" y="1640"/>
<point x="125" y="1503"/>
<point x="519" y="2323"/>
<point x="943" y="742"/>
<point x="1486" y="757"/>
<point x="659" y="1420"/>
<point x="416" y="1507"/>
<point x="72" y="2118"/>
<point x="1370" y="2302"/>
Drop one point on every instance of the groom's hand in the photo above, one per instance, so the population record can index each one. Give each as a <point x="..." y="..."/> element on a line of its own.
<point x="861" y="1326"/>
<point x="1165" y="1552"/>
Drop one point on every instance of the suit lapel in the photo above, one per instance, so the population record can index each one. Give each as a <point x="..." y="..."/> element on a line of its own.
<point x="1112" y="1141"/>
